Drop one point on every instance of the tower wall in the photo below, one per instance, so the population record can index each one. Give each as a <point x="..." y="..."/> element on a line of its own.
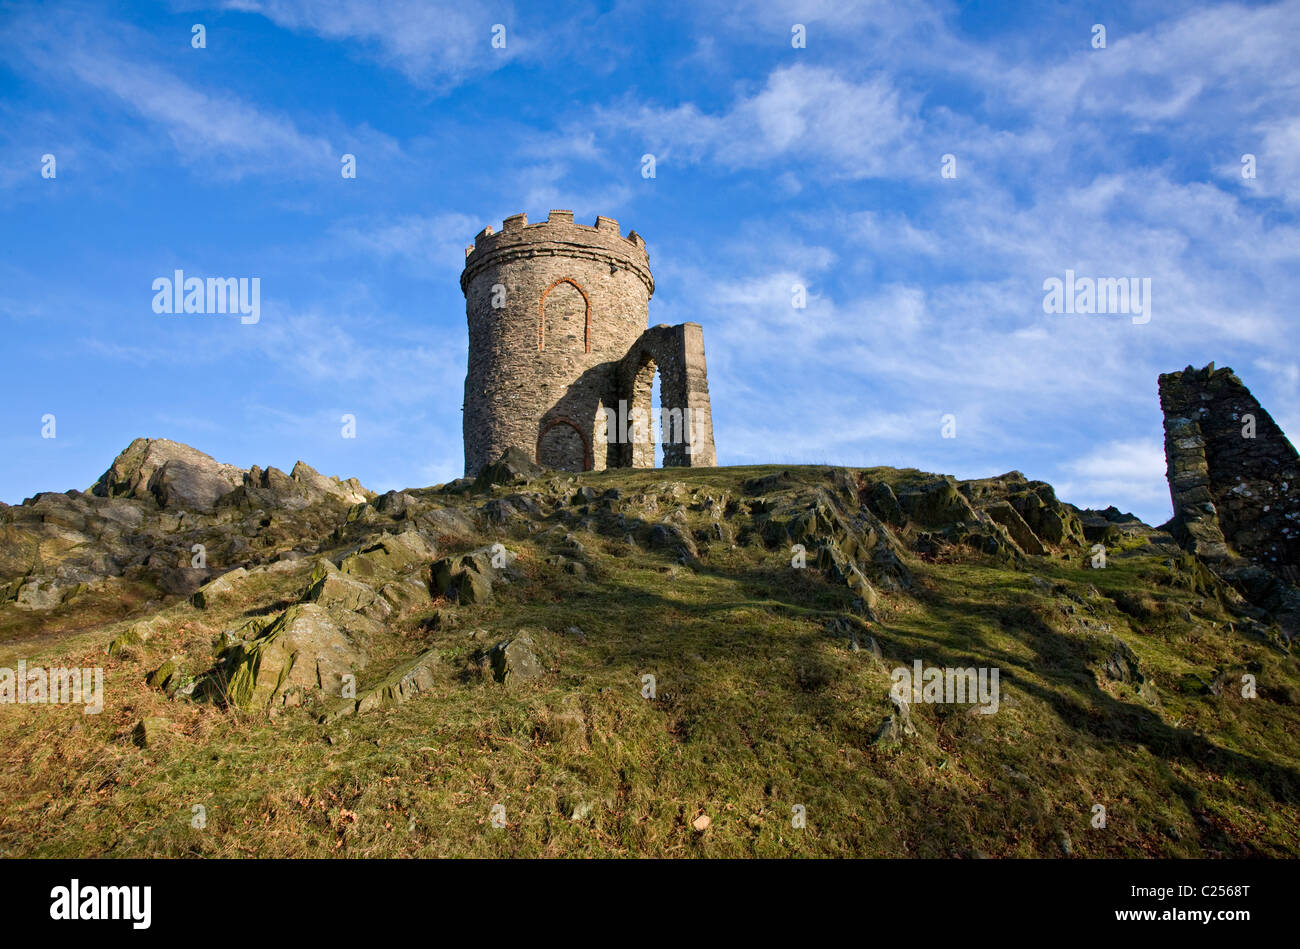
<point x="573" y="300"/>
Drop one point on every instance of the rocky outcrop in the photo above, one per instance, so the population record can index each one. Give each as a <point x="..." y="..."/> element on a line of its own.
<point x="468" y="578"/>
<point x="414" y="677"/>
<point x="165" y="519"/>
<point x="179" y="477"/>
<point x="305" y="580"/>
<point x="317" y="484"/>
<point x="388" y="554"/>
<point x="513" y="467"/>
<point x="1033" y="517"/>
<point x="850" y="543"/>
<point x="1020" y="531"/>
<point x="168" y="472"/>
<point x="300" y="653"/>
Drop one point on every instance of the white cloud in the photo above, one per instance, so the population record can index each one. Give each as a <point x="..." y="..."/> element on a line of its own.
<point x="854" y="129"/>
<point x="1133" y="470"/>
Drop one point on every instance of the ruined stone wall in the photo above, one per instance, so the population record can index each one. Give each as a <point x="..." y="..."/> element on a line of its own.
<point x="1233" y="494"/>
<point x="677" y="354"/>
<point x="574" y="299"/>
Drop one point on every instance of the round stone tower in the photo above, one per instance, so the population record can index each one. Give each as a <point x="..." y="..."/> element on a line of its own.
<point x="552" y="308"/>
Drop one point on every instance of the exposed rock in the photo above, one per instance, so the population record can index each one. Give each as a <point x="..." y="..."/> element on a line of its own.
<point x="223" y="589"/>
<point x="469" y="577"/>
<point x="896" y="726"/>
<point x="302" y="652"/>
<point x="161" y="677"/>
<point x="885" y="505"/>
<point x="856" y="633"/>
<point x="513" y="467"/>
<point x="671" y="537"/>
<point x="1099" y="529"/>
<point x="769" y="484"/>
<point x="445" y="521"/>
<point x="40" y="594"/>
<point x="348" y="492"/>
<point x="575" y="568"/>
<point x="335" y="590"/>
<point x="936" y="503"/>
<point x="853" y="548"/>
<point x="168" y="472"/>
<point x="410" y="679"/>
<point x="406" y="594"/>
<point x="1122" y="664"/>
<point x="1008" y="517"/>
<point x="390" y="554"/>
<point x="1049" y="519"/>
<point x="137" y="634"/>
<point x="474" y="587"/>
<point x="515" y="660"/>
<point x="150" y="731"/>
<point x="499" y="511"/>
<point x="182" y="484"/>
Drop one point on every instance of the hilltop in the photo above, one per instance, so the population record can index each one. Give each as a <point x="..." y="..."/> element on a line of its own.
<point x="345" y="673"/>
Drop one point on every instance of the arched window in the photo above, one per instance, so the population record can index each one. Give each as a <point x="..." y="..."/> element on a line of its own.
<point x="566" y="309"/>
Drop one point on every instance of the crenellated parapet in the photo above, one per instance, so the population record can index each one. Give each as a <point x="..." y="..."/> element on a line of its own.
<point x="558" y="236"/>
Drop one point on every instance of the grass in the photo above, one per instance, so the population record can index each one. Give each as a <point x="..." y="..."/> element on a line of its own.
<point x="757" y="709"/>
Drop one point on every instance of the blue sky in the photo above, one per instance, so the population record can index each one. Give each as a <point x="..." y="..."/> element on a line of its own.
<point x="775" y="166"/>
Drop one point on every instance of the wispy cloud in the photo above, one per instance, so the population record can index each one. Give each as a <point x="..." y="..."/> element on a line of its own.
<point x="433" y="245"/>
<point x="432" y="44"/>
<point x="1131" y="470"/>
<point x="216" y="129"/>
<point x="852" y="129"/>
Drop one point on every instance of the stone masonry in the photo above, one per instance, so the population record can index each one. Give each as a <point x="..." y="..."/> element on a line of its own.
<point x="1233" y="476"/>
<point x="560" y="355"/>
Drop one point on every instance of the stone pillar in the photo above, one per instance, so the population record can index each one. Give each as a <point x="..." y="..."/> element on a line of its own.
<point x="1234" y="478"/>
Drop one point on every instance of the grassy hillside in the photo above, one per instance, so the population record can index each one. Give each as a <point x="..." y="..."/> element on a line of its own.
<point x="1120" y="686"/>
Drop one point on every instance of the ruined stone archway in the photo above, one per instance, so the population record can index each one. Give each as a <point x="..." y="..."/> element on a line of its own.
<point x="676" y="353"/>
<point x="640" y="427"/>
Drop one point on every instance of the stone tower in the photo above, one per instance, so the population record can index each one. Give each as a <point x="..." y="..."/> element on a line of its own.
<point x="560" y="358"/>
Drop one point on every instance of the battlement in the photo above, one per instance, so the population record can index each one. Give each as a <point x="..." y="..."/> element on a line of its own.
<point x="558" y="235"/>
